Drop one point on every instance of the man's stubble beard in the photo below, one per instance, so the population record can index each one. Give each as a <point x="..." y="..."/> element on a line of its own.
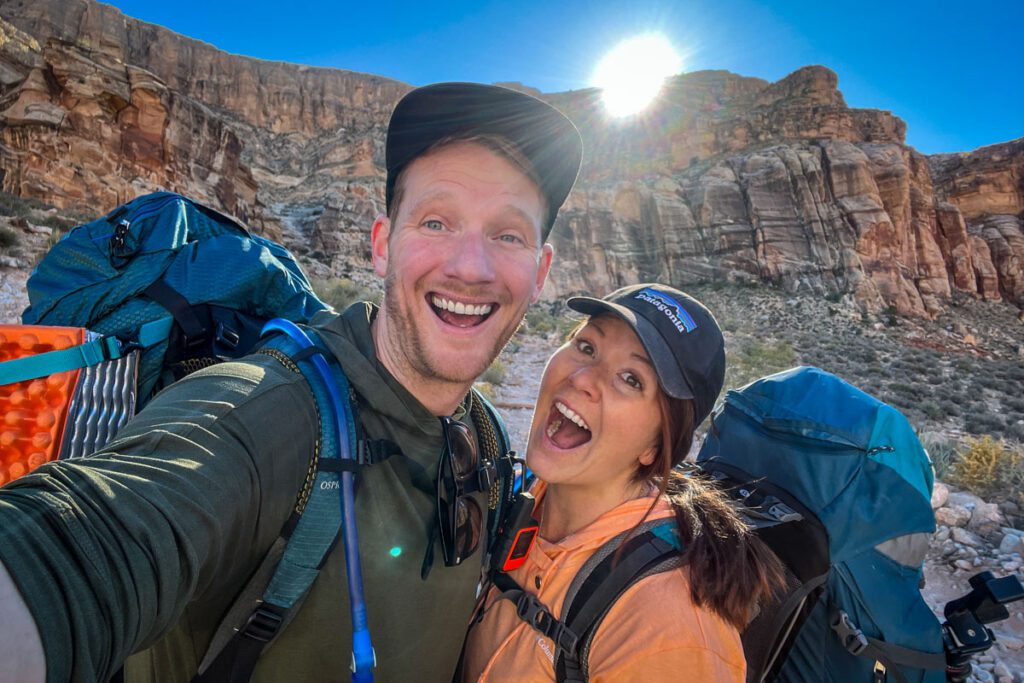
<point x="409" y="347"/>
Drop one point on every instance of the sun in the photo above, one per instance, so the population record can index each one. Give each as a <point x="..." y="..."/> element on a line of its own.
<point x="632" y="73"/>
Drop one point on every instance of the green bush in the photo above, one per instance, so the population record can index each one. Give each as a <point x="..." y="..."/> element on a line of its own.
<point x="932" y="410"/>
<point x="340" y="293"/>
<point x="8" y="237"/>
<point x="942" y="452"/>
<point x="495" y="373"/>
<point x="755" y="358"/>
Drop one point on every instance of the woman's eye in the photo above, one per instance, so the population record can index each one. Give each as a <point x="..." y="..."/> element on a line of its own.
<point x="632" y="380"/>
<point x="585" y="347"/>
<point x="433" y="224"/>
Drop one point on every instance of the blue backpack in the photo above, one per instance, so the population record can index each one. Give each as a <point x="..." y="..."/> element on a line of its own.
<point x="179" y="282"/>
<point x="840" y="489"/>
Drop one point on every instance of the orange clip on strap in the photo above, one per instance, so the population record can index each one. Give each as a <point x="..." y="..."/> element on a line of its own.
<point x="34" y="411"/>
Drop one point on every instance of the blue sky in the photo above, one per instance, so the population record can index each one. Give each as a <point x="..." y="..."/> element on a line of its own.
<point x="954" y="71"/>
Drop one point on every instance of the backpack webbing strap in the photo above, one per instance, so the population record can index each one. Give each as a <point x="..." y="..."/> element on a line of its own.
<point x="641" y="556"/>
<point x="534" y="612"/>
<point x="494" y="444"/>
<point x="82" y="355"/>
<point x="779" y="620"/>
<point x="890" y="655"/>
<point x="179" y="307"/>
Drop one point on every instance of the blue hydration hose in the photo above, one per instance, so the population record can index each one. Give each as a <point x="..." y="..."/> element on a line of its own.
<point x="363" y="657"/>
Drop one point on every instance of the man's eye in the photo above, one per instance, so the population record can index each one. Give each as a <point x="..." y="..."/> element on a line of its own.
<point x="512" y="238"/>
<point x="632" y="380"/>
<point x="433" y="224"/>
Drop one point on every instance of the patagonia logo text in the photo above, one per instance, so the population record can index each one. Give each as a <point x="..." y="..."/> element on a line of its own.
<point x="672" y="309"/>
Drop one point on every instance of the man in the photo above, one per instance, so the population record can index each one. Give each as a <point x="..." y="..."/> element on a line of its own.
<point x="146" y="544"/>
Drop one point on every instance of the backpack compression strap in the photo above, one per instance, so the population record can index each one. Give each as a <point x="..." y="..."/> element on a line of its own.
<point x="82" y="355"/>
<point x="891" y="656"/>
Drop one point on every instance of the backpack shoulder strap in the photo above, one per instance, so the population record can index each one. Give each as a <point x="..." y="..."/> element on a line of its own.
<point x="603" y="579"/>
<point x="595" y="588"/>
<point x="494" y="444"/>
<point x="276" y="590"/>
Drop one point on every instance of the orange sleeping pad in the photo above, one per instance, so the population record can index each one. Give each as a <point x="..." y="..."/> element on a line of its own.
<point x="34" y="411"/>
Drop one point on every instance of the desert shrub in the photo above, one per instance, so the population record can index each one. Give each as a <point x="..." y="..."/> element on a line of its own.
<point x="486" y="389"/>
<point x="12" y="205"/>
<point x="904" y="390"/>
<point x="754" y="358"/>
<point x="340" y="293"/>
<point x="988" y="467"/>
<point x="984" y="422"/>
<point x="932" y="410"/>
<point x="8" y="237"/>
<point x="495" y="372"/>
<point x="950" y="407"/>
<point x="539" y="320"/>
<point x="942" y="452"/>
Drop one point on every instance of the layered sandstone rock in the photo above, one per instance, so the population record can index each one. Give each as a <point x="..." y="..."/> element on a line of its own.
<point x="726" y="178"/>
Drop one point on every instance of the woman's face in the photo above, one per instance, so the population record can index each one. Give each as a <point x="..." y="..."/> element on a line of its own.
<point x="597" y="418"/>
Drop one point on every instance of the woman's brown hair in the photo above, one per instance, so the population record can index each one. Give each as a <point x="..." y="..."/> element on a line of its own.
<point x="730" y="570"/>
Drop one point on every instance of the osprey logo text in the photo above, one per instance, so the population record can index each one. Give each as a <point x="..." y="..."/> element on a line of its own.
<point x="672" y="309"/>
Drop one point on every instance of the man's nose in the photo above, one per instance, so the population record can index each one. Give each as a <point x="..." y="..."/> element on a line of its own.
<point x="471" y="260"/>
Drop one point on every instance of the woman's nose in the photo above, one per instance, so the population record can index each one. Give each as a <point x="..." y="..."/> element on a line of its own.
<point x="585" y="379"/>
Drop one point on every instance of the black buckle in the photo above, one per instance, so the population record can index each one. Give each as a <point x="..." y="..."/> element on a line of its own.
<point x="486" y="475"/>
<point x="852" y="638"/>
<point x="263" y="625"/>
<point x="532" y="611"/>
<point x="226" y="336"/>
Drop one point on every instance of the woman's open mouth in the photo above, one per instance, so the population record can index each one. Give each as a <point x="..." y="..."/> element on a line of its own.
<point x="565" y="428"/>
<point x="459" y="313"/>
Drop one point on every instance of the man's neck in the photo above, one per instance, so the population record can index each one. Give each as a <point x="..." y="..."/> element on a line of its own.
<point x="437" y="396"/>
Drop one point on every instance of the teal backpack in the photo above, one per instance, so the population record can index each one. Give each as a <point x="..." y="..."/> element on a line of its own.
<point x="179" y="282"/>
<point x="840" y="488"/>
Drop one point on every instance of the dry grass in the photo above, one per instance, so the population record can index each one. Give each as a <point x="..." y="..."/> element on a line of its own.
<point x="989" y="467"/>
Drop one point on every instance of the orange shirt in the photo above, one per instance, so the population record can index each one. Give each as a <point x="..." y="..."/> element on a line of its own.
<point x="653" y="633"/>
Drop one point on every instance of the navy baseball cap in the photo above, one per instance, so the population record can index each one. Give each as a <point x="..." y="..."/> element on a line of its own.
<point x="548" y="140"/>
<point x="679" y="334"/>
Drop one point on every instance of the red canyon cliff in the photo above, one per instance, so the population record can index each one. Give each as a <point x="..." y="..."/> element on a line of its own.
<point x="727" y="179"/>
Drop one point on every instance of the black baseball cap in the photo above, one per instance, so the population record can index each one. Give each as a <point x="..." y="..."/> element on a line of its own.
<point x="679" y="334"/>
<point x="548" y="140"/>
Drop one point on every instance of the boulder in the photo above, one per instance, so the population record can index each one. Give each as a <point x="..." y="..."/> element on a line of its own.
<point x="953" y="516"/>
<point x="986" y="519"/>
<point x="940" y="494"/>
<point x="967" y="538"/>
<point x="1010" y="544"/>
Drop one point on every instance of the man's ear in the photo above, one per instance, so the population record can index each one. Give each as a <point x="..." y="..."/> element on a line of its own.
<point x="547" y="253"/>
<point x="379" y="235"/>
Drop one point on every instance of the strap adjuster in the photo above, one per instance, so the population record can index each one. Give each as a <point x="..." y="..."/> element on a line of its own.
<point x="532" y="611"/>
<point x="852" y="638"/>
<point x="263" y="625"/>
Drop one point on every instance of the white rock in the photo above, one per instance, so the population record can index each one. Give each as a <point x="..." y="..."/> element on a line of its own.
<point x="1002" y="670"/>
<point x="953" y="516"/>
<point x="1011" y="643"/>
<point x="1012" y="531"/>
<point x="941" y="535"/>
<point x="940" y="494"/>
<point x="966" y="537"/>
<point x="965" y="499"/>
<point x="1010" y="544"/>
<point x="1004" y="679"/>
<point x="1010" y="566"/>
<point x="986" y="517"/>
<point x="966" y="565"/>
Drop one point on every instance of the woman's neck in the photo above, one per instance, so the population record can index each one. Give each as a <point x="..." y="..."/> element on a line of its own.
<point x="568" y="508"/>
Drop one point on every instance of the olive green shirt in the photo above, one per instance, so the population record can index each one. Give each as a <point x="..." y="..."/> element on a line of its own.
<point x="144" y="546"/>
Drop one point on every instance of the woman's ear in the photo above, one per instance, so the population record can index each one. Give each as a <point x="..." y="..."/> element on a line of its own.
<point x="646" y="458"/>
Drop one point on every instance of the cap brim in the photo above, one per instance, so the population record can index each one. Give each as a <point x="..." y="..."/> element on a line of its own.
<point x="549" y="141"/>
<point x="671" y="378"/>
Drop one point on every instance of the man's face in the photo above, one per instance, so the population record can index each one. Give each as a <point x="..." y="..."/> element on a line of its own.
<point x="462" y="259"/>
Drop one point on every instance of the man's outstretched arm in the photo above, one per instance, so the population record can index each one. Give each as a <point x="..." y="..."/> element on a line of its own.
<point x="21" y="650"/>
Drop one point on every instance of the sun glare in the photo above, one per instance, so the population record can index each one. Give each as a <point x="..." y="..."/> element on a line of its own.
<point x="632" y="73"/>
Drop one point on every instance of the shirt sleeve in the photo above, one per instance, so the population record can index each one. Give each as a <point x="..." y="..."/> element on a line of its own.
<point x="107" y="551"/>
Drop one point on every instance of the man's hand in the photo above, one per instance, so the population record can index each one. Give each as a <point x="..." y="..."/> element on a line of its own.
<point x="21" y="650"/>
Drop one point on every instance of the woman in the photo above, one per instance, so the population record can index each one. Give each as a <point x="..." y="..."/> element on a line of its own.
<point x="617" y="410"/>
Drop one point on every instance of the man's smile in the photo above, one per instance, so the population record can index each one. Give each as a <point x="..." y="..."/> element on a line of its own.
<point x="460" y="312"/>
